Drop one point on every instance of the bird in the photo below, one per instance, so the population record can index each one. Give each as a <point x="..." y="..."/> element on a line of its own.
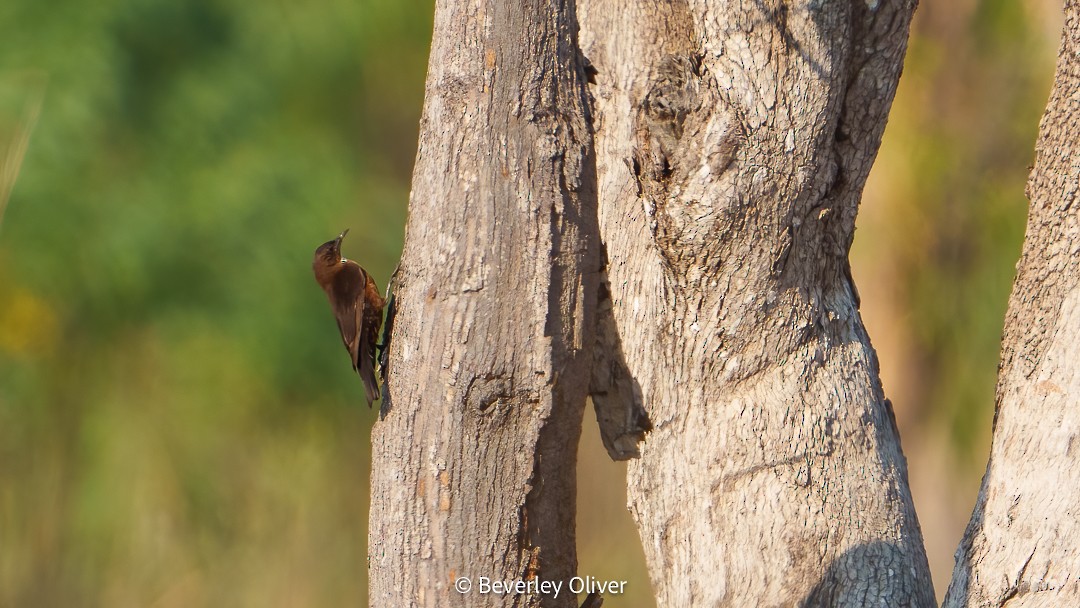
<point x="356" y="304"/>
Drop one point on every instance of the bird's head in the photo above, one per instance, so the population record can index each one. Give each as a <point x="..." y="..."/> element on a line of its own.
<point x="329" y="253"/>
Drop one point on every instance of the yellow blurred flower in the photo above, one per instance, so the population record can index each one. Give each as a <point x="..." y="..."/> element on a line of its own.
<point x="28" y="325"/>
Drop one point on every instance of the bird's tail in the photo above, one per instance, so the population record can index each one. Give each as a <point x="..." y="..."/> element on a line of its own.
<point x="367" y="374"/>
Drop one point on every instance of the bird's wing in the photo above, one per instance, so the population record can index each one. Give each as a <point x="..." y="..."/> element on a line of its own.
<point x="349" y="309"/>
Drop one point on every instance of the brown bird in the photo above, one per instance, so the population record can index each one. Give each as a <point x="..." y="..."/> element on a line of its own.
<point x="357" y="305"/>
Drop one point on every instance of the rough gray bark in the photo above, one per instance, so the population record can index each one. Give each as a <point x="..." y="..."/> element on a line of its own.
<point x="473" y="461"/>
<point x="733" y="143"/>
<point x="1022" y="546"/>
<point x="733" y="140"/>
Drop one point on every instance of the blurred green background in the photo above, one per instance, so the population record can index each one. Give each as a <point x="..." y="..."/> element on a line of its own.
<point x="178" y="423"/>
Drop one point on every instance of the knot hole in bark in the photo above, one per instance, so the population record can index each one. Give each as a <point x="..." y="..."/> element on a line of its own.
<point x="687" y="139"/>
<point x="674" y="94"/>
<point x="489" y="393"/>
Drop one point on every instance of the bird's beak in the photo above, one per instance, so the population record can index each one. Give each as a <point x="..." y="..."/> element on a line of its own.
<point x="340" y="237"/>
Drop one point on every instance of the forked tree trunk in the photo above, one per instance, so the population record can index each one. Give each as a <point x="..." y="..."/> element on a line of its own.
<point x="733" y="143"/>
<point x="473" y="461"/>
<point x="733" y="140"/>
<point x="1022" y="546"/>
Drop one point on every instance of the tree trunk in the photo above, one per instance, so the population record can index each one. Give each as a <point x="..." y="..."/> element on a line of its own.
<point x="1021" y="546"/>
<point x="473" y="461"/>
<point x="733" y="140"/>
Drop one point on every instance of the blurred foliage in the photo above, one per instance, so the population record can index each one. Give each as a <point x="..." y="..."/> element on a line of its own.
<point x="178" y="422"/>
<point x="939" y="234"/>
<point x="956" y="155"/>
<point x="178" y="425"/>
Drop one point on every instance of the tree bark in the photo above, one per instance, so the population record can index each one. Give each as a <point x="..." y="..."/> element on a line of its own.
<point x="733" y="140"/>
<point x="1021" y="546"/>
<point x="473" y="462"/>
